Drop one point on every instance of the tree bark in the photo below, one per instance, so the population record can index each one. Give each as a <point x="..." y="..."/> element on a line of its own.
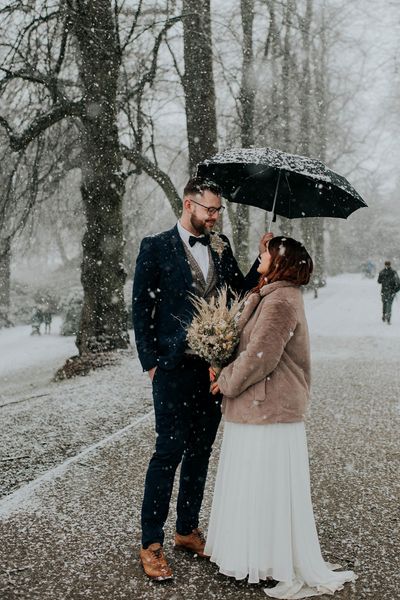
<point x="286" y="62"/>
<point x="5" y="276"/>
<point x="271" y="57"/>
<point x="103" y="323"/>
<point x="198" y="82"/>
<point x="320" y="62"/>
<point x="307" y="225"/>
<point x="305" y="83"/>
<point x="240" y="221"/>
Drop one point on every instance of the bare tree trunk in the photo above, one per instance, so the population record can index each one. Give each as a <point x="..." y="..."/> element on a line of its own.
<point x="280" y="98"/>
<point x="240" y="217"/>
<point x="307" y="225"/>
<point x="247" y="90"/>
<point x="305" y="83"/>
<point x="198" y="82"/>
<point x="271" y="56"/>
<point x="320" y="61"/>
<point x="5" y="275"/>
<point x="286" y="137"/>
<point x="103" y="321"/>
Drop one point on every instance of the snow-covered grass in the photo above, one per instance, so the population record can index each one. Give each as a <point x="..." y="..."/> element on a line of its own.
<point x="348" y="307"/>
<point x="29" y="361"/>
<point x="19" y="349"/>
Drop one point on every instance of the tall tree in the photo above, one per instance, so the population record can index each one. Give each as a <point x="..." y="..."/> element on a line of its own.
<point x="239" y="216"/>
<point x="303" y="143"/>
<point x="86" y="90"/>
<point x="198" y="81"/>
<point x="103" y="322"/>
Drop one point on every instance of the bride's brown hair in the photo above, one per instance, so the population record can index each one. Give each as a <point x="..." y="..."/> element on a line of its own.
<point x="290" y="261"/>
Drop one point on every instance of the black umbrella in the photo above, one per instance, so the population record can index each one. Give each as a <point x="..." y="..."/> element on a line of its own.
<point x="286" y="184"/>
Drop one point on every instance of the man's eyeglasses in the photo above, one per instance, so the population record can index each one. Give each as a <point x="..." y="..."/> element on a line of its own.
<point x="211" y="210"/>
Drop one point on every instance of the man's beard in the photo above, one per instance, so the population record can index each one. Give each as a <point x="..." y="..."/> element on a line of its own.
<point x="201" y="226"/>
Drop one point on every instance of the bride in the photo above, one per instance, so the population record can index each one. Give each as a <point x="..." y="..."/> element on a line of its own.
<point x="262" y="522"/>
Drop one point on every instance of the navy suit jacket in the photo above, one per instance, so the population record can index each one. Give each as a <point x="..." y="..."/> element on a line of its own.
<point x="161" y="306"/>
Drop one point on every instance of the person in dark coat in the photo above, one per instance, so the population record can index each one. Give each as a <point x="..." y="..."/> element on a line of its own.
<point x="172" y="265"/>
<point x="390" y="282"/>
<point x="36" y="320"/>
<point x="47" y="317"/>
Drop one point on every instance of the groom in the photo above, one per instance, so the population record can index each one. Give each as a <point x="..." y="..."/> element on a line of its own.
<point x="189" y="258"/>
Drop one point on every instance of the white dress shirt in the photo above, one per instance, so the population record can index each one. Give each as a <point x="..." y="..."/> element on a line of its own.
<point x="198" y="251"/>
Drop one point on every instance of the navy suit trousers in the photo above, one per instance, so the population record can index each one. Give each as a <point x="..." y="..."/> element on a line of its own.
<point x="187" y="418"/>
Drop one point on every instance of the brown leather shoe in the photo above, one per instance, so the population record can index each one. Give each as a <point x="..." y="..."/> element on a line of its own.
<point x="194" y="542"/>
<point x="154" y="563"/>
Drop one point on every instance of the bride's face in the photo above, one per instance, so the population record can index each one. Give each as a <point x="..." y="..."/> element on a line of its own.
<point x="264" y="262"/>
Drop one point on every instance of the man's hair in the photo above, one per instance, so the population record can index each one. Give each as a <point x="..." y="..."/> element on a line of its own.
<point x="387" y="263"/>
<point x="198" y="185"/>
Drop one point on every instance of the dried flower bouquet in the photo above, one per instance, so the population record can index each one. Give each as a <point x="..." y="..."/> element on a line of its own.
<point x="213" y="333"/>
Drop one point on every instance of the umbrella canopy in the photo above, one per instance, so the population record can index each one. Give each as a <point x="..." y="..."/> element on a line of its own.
<point x="287" y="184"/>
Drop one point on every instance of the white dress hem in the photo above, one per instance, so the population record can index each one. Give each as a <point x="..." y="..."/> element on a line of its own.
<point x="262" y="523"/>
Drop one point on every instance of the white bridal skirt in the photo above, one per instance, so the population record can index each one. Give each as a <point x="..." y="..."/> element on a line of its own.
<point x="262" y="522"/>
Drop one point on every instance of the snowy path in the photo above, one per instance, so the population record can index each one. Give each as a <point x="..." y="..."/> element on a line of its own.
<point x="73" y="531"/>
<point x="58" y="421"/>
<point x="350" y="306"/>
<point x="13" y="501"/>
<point x="345" y="320"/>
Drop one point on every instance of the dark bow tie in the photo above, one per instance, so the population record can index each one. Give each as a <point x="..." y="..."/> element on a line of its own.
<point x="204" y="239"/>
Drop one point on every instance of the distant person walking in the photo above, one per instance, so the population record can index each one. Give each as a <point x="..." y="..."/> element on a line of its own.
<point x="47" y="317"/>
<point x="36" y="320"/>
<point x="390" y="282"/>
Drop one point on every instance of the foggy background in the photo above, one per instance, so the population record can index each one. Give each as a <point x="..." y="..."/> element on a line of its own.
<point x="350" y="101"/>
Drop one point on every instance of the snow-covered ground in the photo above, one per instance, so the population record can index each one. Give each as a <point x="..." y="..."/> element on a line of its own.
<point x="350" y="306"/>
<point x="29" y="361"/>
<point x="346" y="310"/>
<point x="345" y="321"/>
<point x="74" y="454"/>
<point x="45" y="423"/>
<point x="20" y="350"/>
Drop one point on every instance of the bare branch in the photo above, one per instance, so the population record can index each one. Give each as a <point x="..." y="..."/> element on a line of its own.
<point x="177" y="69"/>
<point x="133" y="26"/>
<point x="157" y="174"/>
<point x="41" y="123"/>
<point x="63" y="46"/>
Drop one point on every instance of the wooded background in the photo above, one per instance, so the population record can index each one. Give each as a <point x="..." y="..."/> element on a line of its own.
<point x="106" y="107"/>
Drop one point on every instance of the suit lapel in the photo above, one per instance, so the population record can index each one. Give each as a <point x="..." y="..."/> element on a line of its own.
<point x="211" y="273"/>
<point x="180" y="257"/>
<point x="218" y="267"/>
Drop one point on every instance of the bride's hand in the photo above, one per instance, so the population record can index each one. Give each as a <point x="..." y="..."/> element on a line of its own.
<point x="264" y="241"/>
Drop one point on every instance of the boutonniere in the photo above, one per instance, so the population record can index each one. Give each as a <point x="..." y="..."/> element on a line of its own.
<point x="217" y="244"/>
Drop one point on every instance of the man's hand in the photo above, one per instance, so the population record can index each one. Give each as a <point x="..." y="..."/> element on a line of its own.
<point x="152" y="373"/>
<point x="264" y="241"/>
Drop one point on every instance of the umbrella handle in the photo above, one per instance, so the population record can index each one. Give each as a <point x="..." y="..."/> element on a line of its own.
<point x="274" y="204"/>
